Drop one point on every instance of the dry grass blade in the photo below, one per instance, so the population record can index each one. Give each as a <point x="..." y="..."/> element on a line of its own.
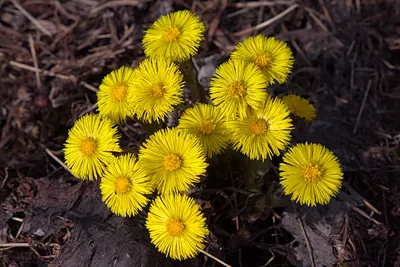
<point x="35" y="61"/>
<point x="268" y="22"/>
<point x="262" y="3"/>
<point x="362" y="106"/>
<point x="44" y="72"/>
<point x="31" y="18"/>
<point x="215" y="258"/>
<point x="310" y="251"/>
<point x="116" y="4"/>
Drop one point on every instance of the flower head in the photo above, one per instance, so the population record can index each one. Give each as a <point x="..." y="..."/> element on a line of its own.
<point x="300" y="107"/>
<point x="263" y="132"/>
<point x="272" y="56"/>
<point x="157" y="88"/>
<point x="208" y="125"/>
<point x="311" y="174"/>
<point x="113" y="94"/>
<point x="177" y="227"/>
<point x="236" y="86"/>
<point x="175" y="36"/>
<point x="124" y="186"/>
<point x="173" y="159"/>
<point x="89" y="146"/>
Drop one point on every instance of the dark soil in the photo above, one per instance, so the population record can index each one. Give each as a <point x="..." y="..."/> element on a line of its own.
<point x="53" y="56"/>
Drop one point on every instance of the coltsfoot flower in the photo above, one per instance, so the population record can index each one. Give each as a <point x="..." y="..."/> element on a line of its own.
<point x="177" y="227"/>
<point x="263" y="132"/>
<point x="174" y="160"/>
<point x="156" y="89"/>
<point x="207" y="123"/>
<point x="300" y="107"/>
<point x="124" y="186"/>
<point x="272" y="56"/>
<point x="113" y="94"/>
<point x="90" y="145"/>
<point x="311" y="174"/>
<point x="175" y="36"/>
<point x="236" y="86"/>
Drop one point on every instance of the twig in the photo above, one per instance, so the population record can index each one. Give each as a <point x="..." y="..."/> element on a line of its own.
<point x="362" y="213"/>
<point x="88" y="86"/>
<point x="5" y="177"/>
<point x="262" y="3"/>
<point x="89" y="109"/>
<point x="115" y="4"/>
<point x="316" y="19"/>
<point x="326" y="13"/>
<point x="14" y="245"/>
<point x="268" y="22"/>
<point x="310" y="251"/>
<point x="31" y="18"/>
<point x="35" y="62"/>
<point x="51" y="154"/>
<point x="362" y="107"/>
<point x="215" y="258"/>
<point x="44" y="72"/>
<point x="369" y="205"/>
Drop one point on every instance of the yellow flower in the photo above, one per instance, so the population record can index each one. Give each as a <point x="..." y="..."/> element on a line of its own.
<point x="311" y="174"/>
<point x="113" y="95"/>
<point x="177" y="227"/>
<point x="208" y="125"/>
<point x="236" y="86"/>
<point x="156" y="89"/>
<point x="272" y="56"/>
<point x="89" y="146"/>
<point x="263" y="132"/>
<point x="174" y="36"/>
<point x="300" y="107"/>
<point x="174" y="160"/>
<point x="124" y="186"/>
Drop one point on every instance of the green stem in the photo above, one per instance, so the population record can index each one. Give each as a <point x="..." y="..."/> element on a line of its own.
<point x="189" y="72"/>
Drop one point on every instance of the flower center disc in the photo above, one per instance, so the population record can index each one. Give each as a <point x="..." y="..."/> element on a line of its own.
<point x="118" y="93"/>
<point x="258" y="127"/>
<point x="157" y="91"/>
<point x="122" y="185"/>
<point x="237" y="90"/>
<point x="263" y="61"/>
<point x="175" y="227"/>
<point x="207" y="127"/>
<point x="311" y="173"/>
<point x="172" y="162"/>
<point x="88" y="146"/>
<point x="172" y="34"/>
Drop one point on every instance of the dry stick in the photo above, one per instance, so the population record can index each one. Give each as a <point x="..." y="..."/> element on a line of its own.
<point x="5" y="177"/>
<point x="363" y="214"/>
<point x="369" y="205"/>
<point x="88" y="86"/>
<point x="44" y="72"/>
<point x="31" y="18"/>
<point x="310" y="251"/>
<point x="362" y="107"/>
<point x="268" y="22"/>
<point x="35" y="62"/>
<point x="115" y="4"/>
<point x="326" y="13"/>
<point x="316" y="19"/>
<point x="263" y="3"/>
<point x="50" y="74"/>
<point x="14" y="245"/>
<point x="57" y="159"/>
<point x="215" y="258"/>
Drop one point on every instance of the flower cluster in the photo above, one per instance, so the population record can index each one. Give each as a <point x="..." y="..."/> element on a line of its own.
<point x="242" y="114"/>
